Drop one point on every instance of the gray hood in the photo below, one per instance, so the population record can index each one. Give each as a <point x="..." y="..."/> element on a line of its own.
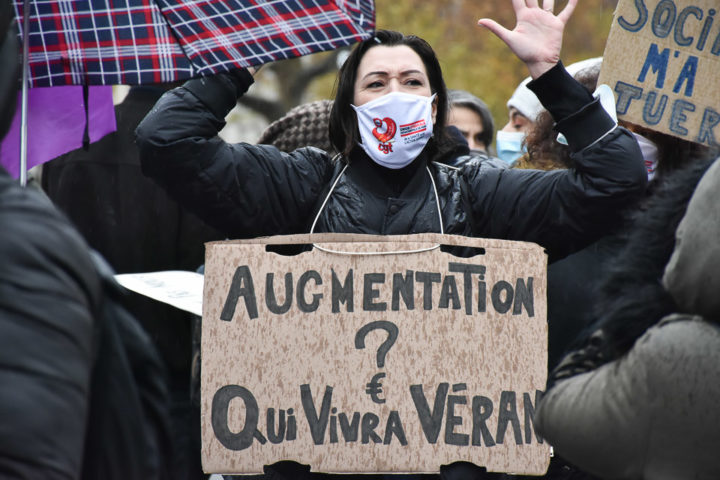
<point x="692" y="276"/>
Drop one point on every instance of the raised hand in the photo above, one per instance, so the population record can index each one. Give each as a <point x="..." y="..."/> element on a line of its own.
<point x="537" y="36"/>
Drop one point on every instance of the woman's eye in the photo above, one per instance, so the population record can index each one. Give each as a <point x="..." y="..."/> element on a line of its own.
<point x="375" y="84"/>
<point x="414" y="82"/>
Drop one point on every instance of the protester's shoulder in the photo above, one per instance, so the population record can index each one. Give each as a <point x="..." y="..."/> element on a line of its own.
<point x="24" y="207"/>
<point x="485" y="162"/>
<point x="37" y="235"/>
<point x="445" y="175"/>
<point x="684" y="335"/>
<point x="445" y="169"/>
<point x="469" y="162"/>
<point x="312" y="154"/>
<point x="676" y="354"/>
<point x="271" y="153"/>
<point x="316" y="158"/>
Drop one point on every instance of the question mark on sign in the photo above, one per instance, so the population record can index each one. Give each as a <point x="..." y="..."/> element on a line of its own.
<point x="389" y="327"/>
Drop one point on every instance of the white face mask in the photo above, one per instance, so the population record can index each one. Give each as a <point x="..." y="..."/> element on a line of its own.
<point x="509" y="145"/>
<point x="395" y="127"/>
<point x="650" y="154"/>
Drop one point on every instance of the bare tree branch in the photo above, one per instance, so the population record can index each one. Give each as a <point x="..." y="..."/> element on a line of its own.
<point x="270" y="109"/>
<point x="294" y="79"/>
<point x="301" y="82"/>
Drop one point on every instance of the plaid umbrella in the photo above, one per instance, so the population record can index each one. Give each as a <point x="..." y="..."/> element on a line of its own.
<point x="106" y="42"/>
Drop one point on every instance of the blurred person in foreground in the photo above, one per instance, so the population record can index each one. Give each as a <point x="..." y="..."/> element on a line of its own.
<point x="83" y="391"/>
<point x="138" y="228"/>
<point x="637" y="396"/>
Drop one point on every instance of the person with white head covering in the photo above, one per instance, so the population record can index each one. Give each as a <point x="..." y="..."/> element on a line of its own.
<point x="523" y="110"/>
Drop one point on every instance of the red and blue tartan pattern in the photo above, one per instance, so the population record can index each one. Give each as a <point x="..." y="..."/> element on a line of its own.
<point x="130" y="42"/>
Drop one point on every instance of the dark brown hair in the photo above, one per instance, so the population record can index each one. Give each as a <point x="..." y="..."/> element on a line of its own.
<point x="343" y="127"/>
<point x="544" y="152"/>
<point x="673" y="152"/>
<point x="547" y="154"/>
<point x="462" y="98"/>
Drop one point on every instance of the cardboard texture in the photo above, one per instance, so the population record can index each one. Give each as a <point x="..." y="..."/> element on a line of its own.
<point x="377" y="361"/>
<point x="662" y="59"/>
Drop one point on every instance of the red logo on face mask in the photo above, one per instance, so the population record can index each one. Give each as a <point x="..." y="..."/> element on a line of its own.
<point x="389" y="132"/>
<point x="385" y="147"/>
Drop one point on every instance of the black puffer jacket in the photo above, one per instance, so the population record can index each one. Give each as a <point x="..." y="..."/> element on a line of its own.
<point x="247" y="190"/>
<point x="49" y="294"/>
<point x="83" y="390"/>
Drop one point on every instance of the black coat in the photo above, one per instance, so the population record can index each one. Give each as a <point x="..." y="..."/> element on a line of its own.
<point x="49" y="296"/>
<point x="83" y="390"/>
<point x="248" y="190"/>
<point x="132" y="223"/>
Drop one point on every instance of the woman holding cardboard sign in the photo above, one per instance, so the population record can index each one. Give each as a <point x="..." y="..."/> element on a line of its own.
<point x="388" y="122"/>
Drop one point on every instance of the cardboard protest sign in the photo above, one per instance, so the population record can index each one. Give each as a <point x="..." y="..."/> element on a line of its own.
<point x="662" y="59"/>
<point x="373" y="354"/>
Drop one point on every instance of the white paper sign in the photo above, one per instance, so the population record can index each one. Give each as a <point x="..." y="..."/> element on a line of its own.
<point x="181" y="289"/>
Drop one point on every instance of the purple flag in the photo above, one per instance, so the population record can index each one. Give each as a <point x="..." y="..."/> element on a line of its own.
<point x="56" y="124"/>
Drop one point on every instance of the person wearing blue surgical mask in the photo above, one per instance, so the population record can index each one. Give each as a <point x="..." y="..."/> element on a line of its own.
<point x="523" y="109"/>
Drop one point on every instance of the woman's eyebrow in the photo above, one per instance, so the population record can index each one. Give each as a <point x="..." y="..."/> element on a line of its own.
<point x="411" y="72"/>
<point x="516" y="113"/>
<point x="404" y="73"/>
<point x="369" y="74"/>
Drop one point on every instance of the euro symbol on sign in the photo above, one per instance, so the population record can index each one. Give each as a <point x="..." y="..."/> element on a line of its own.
<point x="374" y="388"/>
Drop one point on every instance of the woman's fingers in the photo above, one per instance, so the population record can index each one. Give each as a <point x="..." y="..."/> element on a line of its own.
<point x="536" y="38"/>
<point x="500" y="31"/>
<point x="519" y="4"/>
<point x="566" y="12"/>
